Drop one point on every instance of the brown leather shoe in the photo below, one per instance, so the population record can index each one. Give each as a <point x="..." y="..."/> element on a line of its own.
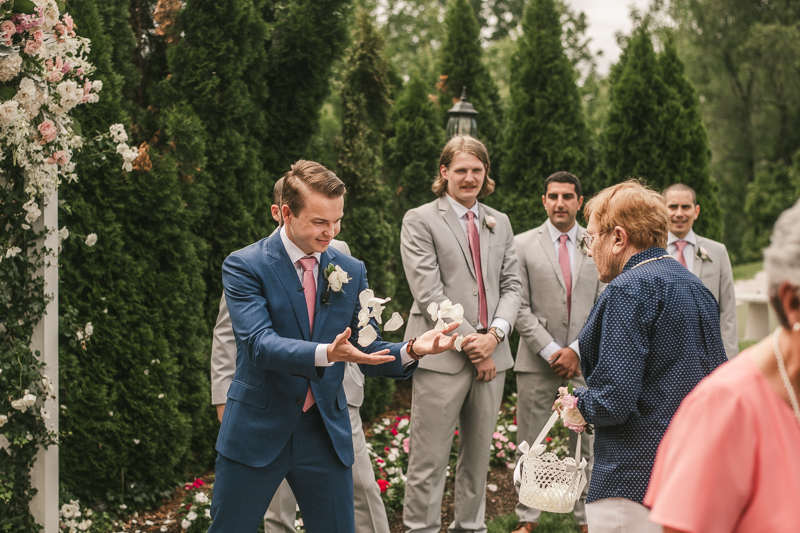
<point x="526" y="527"/>
<point x="584" y="528"/>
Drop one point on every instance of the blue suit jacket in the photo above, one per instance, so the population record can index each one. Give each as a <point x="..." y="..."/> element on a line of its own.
<point x="275" y="352"/>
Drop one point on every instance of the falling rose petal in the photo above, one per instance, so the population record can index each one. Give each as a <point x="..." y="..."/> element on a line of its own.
<point x="455" y="312"/>
<point x="364" y="298"/>
<point x="394" y="323"/>
<point x="377" y="308"/>
<point x="432" y="310"/>
<point x="444" y="308"/>
<point x="440" y="325"/>
<point x="367" y="336"/>
<point x="459" y="342"/>
<point x="363" y="317"/>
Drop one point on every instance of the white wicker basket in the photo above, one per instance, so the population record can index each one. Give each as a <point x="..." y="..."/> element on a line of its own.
<point x="546" y="482"/>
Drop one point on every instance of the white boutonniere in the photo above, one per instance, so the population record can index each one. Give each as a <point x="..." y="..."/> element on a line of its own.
<point x="702" y="254"/>
<point x="489" y="222"/>
<point x="336" y="277"/>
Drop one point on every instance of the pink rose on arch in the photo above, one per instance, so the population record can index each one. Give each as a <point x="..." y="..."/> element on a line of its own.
<point x="48" y="131"/>
<point x="7" y="29"/>
<point x="32" y="47"/>
<point x="61" y="157"/>
<point x="54" y="76"/>
<point x="38" y="36"/>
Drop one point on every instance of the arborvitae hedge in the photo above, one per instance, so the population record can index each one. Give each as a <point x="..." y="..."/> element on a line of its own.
<point x="129" y="398"/>
<point x="369" y="224"/>
<point x="654" y="128"/>
<point x="687" y="155"/>
<point x="461" y="61"/>
<point x="219" y="67"/>
<point x="546" y="131"/>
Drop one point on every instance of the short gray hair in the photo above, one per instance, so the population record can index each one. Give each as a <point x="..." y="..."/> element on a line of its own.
<point x="782" y="257"/>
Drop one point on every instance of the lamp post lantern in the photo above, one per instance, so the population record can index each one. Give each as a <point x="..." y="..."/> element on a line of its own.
<point x="463" y="119"/>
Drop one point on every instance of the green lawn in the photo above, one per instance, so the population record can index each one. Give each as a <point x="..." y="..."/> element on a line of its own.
<point x="549" y="523"/>
<point x="747" y="270"/>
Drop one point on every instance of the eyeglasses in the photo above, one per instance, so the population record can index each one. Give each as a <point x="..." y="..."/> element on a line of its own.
<point x="588" y="239"/>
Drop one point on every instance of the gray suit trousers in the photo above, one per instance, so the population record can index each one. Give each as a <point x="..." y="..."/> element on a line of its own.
<point x="439" y="403"/>
<point x="536" y="393"/>
<point x="370" y="512"/>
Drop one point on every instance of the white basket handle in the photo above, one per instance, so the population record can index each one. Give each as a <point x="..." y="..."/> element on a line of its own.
<point x="537" y="449"/>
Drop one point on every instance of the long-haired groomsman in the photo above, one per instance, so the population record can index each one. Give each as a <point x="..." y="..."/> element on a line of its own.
<point x="459" y="249"/>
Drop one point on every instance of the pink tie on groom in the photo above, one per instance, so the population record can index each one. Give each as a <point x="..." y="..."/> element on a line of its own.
<point x="310" y="290"/>
<point x="563" y="261"/>
<point x="475" y="248"/>
<point x="681" y="245"/>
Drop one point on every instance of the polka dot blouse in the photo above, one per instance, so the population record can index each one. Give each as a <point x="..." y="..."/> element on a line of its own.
<point x="650" y="338"/>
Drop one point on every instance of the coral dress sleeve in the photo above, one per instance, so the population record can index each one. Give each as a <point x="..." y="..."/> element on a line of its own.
<point x="705" y="469"/>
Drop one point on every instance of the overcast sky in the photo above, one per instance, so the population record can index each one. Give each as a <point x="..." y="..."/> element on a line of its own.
<point x="605" y="18"/>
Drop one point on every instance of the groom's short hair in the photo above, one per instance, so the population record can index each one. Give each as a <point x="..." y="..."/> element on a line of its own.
<point x="307" y="176"/>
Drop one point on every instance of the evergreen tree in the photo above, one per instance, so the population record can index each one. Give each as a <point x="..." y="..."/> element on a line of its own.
<point x="633" y="130"/>
<point x="369" y="225"/>
<point x="414" y="142"/>
<point x="686" y="152"/>
<point x="225" y="82"/>
<point x="307" y="37"/>
<point x="461" y="65"/>
<point x="133" y="394"/>
<point x="546" y="130"/>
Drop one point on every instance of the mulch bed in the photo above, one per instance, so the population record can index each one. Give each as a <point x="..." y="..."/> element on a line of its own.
<point x="498" y="503"/>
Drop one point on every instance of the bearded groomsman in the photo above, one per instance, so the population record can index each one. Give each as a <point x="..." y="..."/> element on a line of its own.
<point x="370" y="513"/>
<point x="706" y="259"/>
<point x="458" y="249"/>
<point x="559" y="288"/>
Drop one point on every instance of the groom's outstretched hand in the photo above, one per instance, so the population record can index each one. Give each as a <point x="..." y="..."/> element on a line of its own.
<point x="341" y="350"/>
<point x="433" y="342"/>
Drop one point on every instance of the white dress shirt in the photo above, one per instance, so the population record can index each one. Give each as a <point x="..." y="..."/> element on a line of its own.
<point x="555" y="237"/>
<point x="461" y="213"/>
<point x="295" y="255"/>
<point x="688" y="251"/>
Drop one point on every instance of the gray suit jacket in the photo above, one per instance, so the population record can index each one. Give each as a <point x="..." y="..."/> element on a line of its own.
<point x="223" y="356"/>
<point x="542" y="314"/>
<point x="438" y="265"/>
<point x="717" y="275"/>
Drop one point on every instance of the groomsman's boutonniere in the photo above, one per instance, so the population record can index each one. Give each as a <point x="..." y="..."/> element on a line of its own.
<point x="702" y="254"/>
<point x="336" y="277"/>
<point x="489" y="222"/>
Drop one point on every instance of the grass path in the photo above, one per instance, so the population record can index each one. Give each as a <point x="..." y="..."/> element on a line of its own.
<point x="549" y="523"/>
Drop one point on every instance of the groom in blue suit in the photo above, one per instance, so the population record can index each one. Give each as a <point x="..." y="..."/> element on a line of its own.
<point x="286" y="414"/>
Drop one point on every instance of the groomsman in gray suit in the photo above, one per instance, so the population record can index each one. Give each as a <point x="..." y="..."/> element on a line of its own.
<point x="559" y="288"/>
<point x="370" y="513"/>
<point x="458" y="249"/>
<point x="706" y="259"/>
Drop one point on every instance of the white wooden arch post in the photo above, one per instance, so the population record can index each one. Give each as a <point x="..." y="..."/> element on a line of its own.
<point x="44" y="476"/>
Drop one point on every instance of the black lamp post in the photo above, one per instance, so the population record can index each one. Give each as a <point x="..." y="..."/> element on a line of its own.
<point x="463" y="119"/>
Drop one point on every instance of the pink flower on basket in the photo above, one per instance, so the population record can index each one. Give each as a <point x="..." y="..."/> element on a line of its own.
<point x="569" y="402"/>
<point x="48" y="131"/>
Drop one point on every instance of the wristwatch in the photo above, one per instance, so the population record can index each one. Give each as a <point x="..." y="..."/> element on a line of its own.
<point x="498" y="333"/>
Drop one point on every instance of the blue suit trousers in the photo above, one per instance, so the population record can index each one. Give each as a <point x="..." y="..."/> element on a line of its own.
<point x="322" y="484"/>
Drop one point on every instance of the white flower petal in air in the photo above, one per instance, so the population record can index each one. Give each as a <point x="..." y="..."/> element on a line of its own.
<point x="364" y="298"/>
<point x="433" y="310"/>
<point x="459" y="342"/>
<point x="394" y="323"/>
<point x="440" y="325"/>
<point x="367" y="336"/>
<point x="377" y="308"/>
<point x="444" y="308"/>
<point x="363" y="317"/>
<point x="456" y="313"/>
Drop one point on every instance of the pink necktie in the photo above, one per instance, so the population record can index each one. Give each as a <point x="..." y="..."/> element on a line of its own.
<point x="681" y="245"/>
<point x="475" y="248"/>
<point x="563" y="261"/>
<point x="310" y="290"/>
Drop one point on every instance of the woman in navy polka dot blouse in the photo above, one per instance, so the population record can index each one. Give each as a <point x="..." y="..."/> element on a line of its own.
<point x="650" y="338"/>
